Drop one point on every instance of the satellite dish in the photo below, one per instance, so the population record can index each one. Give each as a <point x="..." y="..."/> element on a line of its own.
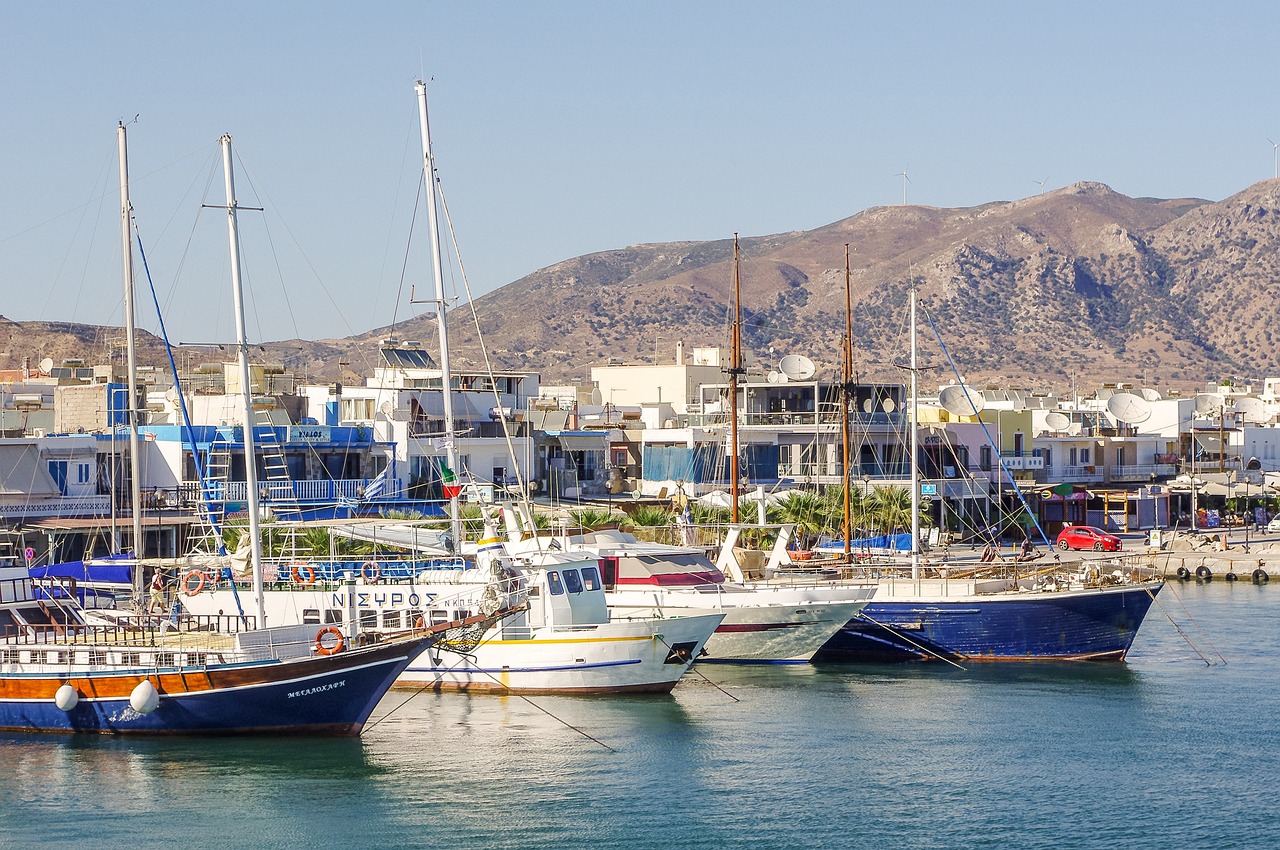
<point x="386" y="408"/>
<point x="46" y="365"/>
<point x="1127" y="407"/>
<point x="1207" y="403"/>
<point x="889" y="405"/>
<point x="776" y="377"/>
<point x="867" y="406"/>
<point x="1150" y="394"/>
<point x="1253" y="410"/>
<point x="1056" y="421"/>
<point x="595" y="395"/>
<point x="171" y="395"/>
<point x="961" y="400"/>
<point x="797" y="367"/>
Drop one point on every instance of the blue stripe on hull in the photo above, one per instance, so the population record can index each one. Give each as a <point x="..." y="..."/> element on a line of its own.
<point x="1049" y="626"/>
<point x="323" y="703"/>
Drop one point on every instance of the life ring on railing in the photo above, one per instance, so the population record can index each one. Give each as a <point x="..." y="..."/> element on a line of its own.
<point x="322" y="649"/>
<point x="193" y="582"/>
<point x="304" y="573"/>
<point x="371" y="571"/>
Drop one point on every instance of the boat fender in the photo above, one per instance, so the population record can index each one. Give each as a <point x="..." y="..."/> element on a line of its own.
<point x="372" y="571"/>
<point x="1184" y="573"/>
<point x="1260" y="576"/>
<point x="193" y="582"/>
<point x="145" y="698"/>
<point x="66" y="697"/>
<point x="304" y="573"/>
<point x="1230" y="576"/>
<point x="1204" y="573"/>
<point x="329" y="649"/>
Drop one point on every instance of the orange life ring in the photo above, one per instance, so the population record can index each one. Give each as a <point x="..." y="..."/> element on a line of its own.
<point x="304" y="573"/>
<point x="372" y="571"/>
<point x="321" y="649"/>
<point x="193" y="582"/>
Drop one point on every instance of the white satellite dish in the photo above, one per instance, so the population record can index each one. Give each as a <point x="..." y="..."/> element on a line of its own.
<point x="596" y="398"/>
<point x="867" y="406"/>
<point x="797" y="367"/>
<point x="1150" y="394"/>
<point x="171" y="395"/>
<point x="1128" y="407"/>
<point x="776" y="377"/>
<point x="889" y="405"/>
<point x="961" y="400"/>
<point x="1253" y="410"/>
<point x="386" y="408"/>
<point x="1056" y="421"/>
<point x="1207" y="403"/>
<point x="46" y="365"/>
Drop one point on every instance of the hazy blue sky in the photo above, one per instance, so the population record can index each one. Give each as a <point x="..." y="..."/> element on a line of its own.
<point x="563" y="128"/>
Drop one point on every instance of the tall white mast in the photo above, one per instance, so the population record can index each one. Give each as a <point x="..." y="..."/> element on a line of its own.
<point x="131" y="411"/>
<point x="246" y="390"/>
<point x="915" y="446"/>
<point x="446" y="377"/>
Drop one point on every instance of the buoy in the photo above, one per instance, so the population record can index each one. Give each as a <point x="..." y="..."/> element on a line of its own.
<point x="193" y="582"/>
<point x="1260" y="576"/>
<point x="1184" y="573"/>
<point x="371" y="571"/>
<point x="145" y="698"/>
<point x="1204" y="573"/>
<point x="326" y="648"/>
<point x="1230" y="576"/>
<point x="66" y="697"/>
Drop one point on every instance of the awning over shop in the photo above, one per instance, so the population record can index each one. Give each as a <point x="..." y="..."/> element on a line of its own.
<point x="582" y="441"/>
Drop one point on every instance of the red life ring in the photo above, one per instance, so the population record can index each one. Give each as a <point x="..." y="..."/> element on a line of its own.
<point x="193" y="582"/>
<point x="322" y="649"/>
<point x="304" y="573"/>
<point x="372" y="571"/>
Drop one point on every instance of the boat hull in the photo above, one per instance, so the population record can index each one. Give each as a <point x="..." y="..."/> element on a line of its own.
<point x="622" y="656"/>
<point x="1094" y="624"/>
<point x="323" y="695"/>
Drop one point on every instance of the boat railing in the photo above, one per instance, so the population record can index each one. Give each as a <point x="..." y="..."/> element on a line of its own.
<point x="127" y="630"/>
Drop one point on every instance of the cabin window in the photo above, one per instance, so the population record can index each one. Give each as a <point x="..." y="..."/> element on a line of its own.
<point x="368" y="619"/>
<point x="573" y="581"/>
<point x="310" y="616"/>
<point x="57" y="658"/>
<point x="98" y="658"/>
<point x="165" y="659"/>
<point x="131" y="659"/>
<point x="553" y="582"/>
<point x="590" y="578"/>
<point x="463" y="614"/>
<point x="391" y="619"/>
<point x="414" y="615"/>
<point x="439" y="616"/>
<point x="197" y="659"/>
<point x="332" y="615"/>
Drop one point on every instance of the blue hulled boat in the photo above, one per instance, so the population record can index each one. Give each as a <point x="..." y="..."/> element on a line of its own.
<point x="992" y="620"/>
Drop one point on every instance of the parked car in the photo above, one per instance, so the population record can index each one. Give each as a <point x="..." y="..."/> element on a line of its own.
<point x="1274" y="526"/>
<point x="1087" y="537"/>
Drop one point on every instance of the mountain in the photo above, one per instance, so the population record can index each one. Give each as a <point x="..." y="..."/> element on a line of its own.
<point x="1079" y="284"/>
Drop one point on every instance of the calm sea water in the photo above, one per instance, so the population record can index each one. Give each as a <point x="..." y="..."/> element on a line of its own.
<point x="1163" y="751"/>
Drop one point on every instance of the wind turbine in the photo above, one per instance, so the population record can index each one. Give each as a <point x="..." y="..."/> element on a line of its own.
<point x="1275" y="152"/>
<point x="905" y="181"/>
<point x="1041" y="183"/>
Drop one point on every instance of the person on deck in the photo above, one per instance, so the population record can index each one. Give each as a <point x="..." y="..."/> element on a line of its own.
<point x="988" y="554"/>
<point x="1028" y="551"/>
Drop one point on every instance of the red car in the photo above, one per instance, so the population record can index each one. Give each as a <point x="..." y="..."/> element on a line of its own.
<point x="1087" y="537"/>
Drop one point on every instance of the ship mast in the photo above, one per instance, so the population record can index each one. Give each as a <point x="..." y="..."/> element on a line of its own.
<point x="735" y="370"/>
<point x="446" y="377"/>
<point x="915" y="445"/>
<point x="131" y="411"/>
<point x="246" y="389"/>
<point x="846" y="393"/>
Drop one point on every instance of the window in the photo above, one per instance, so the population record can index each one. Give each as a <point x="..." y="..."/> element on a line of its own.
<point x="311" y="616"/>
<point x="573" y="581"/>
<point x="82" y="473"/>
<point x="984" y="458"/>
<point x="1084" y="456"/>
<point x="368" y="619"/>
<point x="391" y="619"/>
<point x="553" y="582"/>
<point x="590" y="578"/>
<point x="333" y="615"/>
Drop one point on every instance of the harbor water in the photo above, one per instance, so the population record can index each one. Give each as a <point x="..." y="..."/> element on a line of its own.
<point x="1162" y="751"/>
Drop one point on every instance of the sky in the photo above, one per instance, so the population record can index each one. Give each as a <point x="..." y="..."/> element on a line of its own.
<point x="565" y="128"/>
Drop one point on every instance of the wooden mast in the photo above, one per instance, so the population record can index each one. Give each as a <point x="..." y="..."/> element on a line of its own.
<point x="735" y="369"/>
<point x="846" y="393"/>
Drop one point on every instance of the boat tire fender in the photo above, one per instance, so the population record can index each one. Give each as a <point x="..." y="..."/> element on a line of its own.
<point x="193" y="582"/>
<point x="1204" y="573"/>
<point x="1184" y="573"/>
<point x="329" y="649"/>
<point x="1231" y="576"/>
<point x="1260" y="576"/>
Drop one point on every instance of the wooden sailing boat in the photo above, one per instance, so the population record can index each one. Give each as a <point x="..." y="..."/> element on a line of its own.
<point x="187" y="674"/>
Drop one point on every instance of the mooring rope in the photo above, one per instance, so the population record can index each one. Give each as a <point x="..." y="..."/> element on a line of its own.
<point x="899" y="634"/>
<point x="693" y="669"/>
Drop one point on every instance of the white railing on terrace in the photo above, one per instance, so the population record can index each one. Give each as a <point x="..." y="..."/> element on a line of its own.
<point x="1142" y="471"/>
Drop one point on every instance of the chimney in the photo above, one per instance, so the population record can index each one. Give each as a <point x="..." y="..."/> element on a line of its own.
<point x="679" y="352"/>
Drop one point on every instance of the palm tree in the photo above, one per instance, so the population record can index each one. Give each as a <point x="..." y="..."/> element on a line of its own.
<point x="808" y="512"/>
